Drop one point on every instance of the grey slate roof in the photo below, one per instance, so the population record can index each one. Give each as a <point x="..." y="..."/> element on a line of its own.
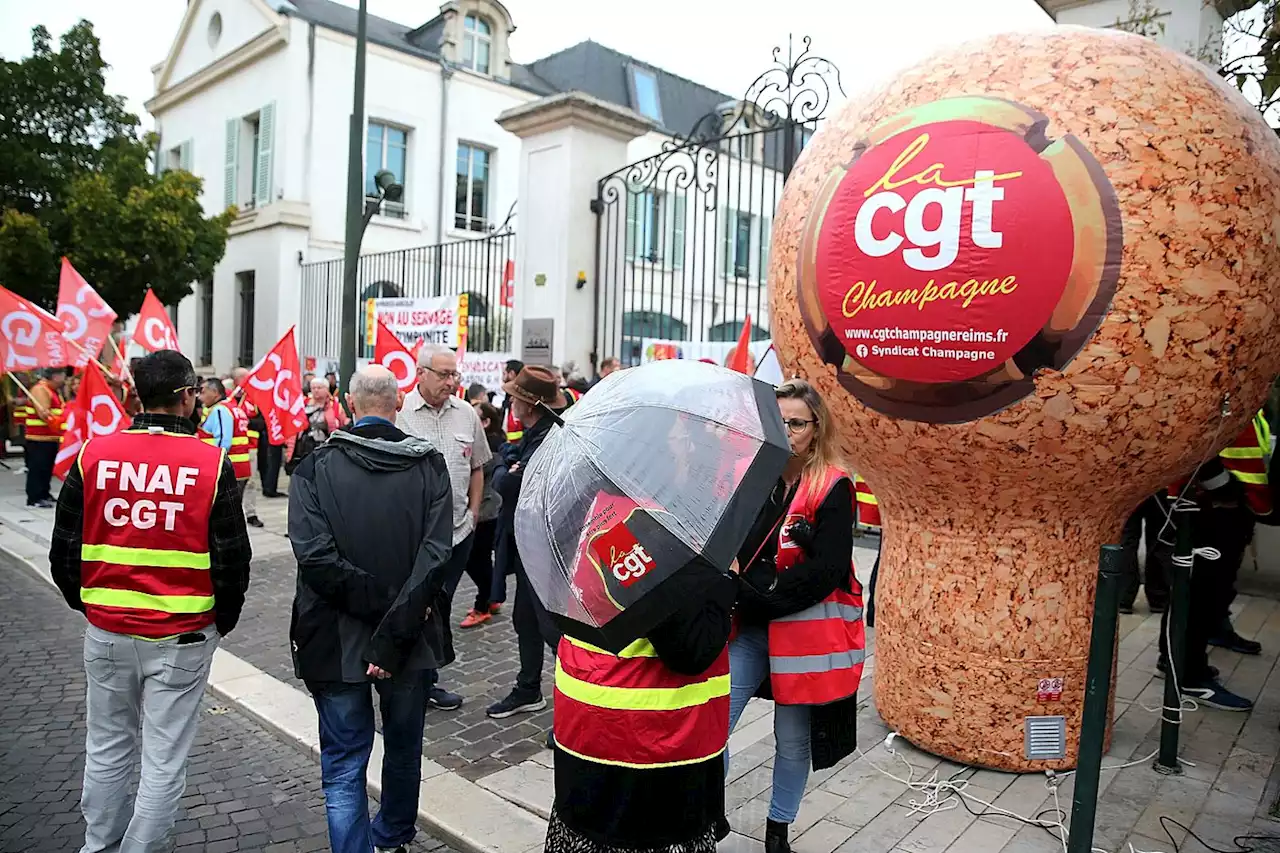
<point x="601" y="71"/>
<point x="586" y="67"/>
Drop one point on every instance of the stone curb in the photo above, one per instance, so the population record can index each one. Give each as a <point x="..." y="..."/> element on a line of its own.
<point x="479" y="821"/>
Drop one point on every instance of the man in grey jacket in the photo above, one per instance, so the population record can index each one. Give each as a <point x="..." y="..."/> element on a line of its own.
<point x="371" y="523"/>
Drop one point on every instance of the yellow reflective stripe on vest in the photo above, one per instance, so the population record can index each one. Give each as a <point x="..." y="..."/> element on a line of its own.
<point x="103" y="597"/>
<point x="1251" y="479"/>
<point x="639" y="649"/>
<point x="238" y="457"/>
<point x="35" y="422"/>
<point x="597" y="760"/>
<point x="1241" y="453"/>
<point x="126" y="556"/>
<point x="867" y="498"/>
<point x="239" y="439"/>
<point x="641" y="698"/>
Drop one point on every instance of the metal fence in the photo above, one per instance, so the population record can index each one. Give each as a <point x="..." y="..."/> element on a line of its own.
<point x="683" y="236"/>
<point x="474" y="267"/>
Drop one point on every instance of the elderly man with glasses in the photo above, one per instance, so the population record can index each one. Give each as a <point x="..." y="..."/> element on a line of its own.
<point x="433" y="411"/>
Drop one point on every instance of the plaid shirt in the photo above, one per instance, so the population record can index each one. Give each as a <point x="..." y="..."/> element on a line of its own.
<point x="455" y="430"/>
<point x="229" y="548"/>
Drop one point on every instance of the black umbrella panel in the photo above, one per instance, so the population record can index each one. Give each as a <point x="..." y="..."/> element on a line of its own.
<point x="652" y="482"/>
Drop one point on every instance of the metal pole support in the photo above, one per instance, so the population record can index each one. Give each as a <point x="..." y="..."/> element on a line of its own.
<point x="1097" y="693"/>
<point x="350" y="307"/>
<point x="1179" y="604"/>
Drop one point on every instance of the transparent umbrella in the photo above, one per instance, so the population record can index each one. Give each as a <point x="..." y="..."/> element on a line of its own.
<point x="656" y="468"/>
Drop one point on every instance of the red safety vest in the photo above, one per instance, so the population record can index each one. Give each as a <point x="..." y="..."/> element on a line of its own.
<point x="145" y="548"/>
<point x="630" y="710"/>
<point x="868" y="505"/>
<point x="1246" y="459"/>
<point x="512" y="426"/>
<point x="239" y="452"/>
<point x="816" y="655"/>
<point x="250" y="410"/>
<point x="46" y="430"/>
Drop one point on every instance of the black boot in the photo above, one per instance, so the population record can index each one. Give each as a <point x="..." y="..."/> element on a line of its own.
<point x="775" y="837"/>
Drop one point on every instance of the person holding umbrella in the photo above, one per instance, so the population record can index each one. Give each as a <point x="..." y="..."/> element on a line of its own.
<point x="806" y="634"/>
<point x="636" y="563"/>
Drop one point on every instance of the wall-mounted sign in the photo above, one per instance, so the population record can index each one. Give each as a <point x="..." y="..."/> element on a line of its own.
<point x="536" y="344"/>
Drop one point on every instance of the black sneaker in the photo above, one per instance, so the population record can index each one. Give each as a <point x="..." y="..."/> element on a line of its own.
<point x="1162" y="666"/>
<point x="1214" y="695"/>
<point x="438" y="697"/>
<point x="551" y="740"/>
<point x="1235" y="643"/>
<point x="254" y="521"/>
<point x="722" y="828"/>
<point x="516" y="703"/>
<point x="1157" y="606"/>
<point x="1126" y="609"/>
<point x="400" y="849"/>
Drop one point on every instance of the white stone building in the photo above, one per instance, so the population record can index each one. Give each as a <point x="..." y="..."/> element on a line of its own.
<point x="1193" y="27"/>
<point x="254" y="97"/>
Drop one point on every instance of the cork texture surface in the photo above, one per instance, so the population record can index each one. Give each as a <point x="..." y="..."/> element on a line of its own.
<point x="993" y="526"/>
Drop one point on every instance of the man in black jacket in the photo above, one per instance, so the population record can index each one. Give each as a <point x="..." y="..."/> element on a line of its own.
<point x="533" y="386"/>
<point x="371" y="523"/>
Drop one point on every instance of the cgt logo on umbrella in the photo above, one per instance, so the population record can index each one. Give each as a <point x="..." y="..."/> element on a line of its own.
<point x="620" y="550"/>
<point x="959" y="251"/>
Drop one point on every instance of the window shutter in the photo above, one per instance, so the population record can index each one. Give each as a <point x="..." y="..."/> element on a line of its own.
<point x="266" y="138"/>
<point x="726" y="242"/>
<point x="229" y="176"/>
<point x="632" y="203"/>
<point x="766" y="234"/>
<point x="677" y="233"/>
<point x="184" y="156"/>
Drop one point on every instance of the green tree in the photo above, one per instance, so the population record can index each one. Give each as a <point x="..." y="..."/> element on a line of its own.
<point x="75" y="180"/>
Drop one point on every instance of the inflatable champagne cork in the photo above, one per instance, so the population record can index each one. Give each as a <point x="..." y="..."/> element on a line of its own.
<point x="1036" y="277"/>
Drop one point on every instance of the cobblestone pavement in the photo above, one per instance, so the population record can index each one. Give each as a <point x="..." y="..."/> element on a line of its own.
<point x="246" y="789"/>
<point x="464" y="740"/>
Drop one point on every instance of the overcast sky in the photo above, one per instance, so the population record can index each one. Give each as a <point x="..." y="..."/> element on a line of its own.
<point x="709" y="41"/>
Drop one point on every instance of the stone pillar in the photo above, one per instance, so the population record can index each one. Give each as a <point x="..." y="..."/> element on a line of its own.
<point x="569" y="142"/>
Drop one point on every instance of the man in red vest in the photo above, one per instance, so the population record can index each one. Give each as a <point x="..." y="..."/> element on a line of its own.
<point x="150" y="544"/>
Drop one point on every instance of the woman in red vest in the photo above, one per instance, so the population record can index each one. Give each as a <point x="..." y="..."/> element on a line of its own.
<point x="805" y="637"/>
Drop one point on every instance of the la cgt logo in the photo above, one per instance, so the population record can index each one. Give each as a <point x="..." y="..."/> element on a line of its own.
<point x="959" y="251"/>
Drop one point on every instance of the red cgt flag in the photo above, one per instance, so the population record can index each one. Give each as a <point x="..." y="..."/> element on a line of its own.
<point x="154" y="331"/>
<point x="275" y="387"/>
<point x="30" y="336"/>
<point x="394" y="356"/>
<point x="83" y="312"/>
<point x="740" y="356"/>
<point x="95" y="411"/>
<point x="507" y="296"/>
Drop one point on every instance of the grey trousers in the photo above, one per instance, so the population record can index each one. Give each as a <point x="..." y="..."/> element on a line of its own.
<point x="143" y="700"/>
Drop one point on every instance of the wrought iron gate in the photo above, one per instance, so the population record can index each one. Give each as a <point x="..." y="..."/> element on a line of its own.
<point x="476" y="267"/>
<point x="682" y="249"/>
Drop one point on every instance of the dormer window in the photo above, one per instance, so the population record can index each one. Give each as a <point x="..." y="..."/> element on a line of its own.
<point x="644" y="92"/>
<point x="477" y="41"/>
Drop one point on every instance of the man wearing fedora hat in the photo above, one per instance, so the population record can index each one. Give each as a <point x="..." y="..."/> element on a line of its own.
<point x="533" y="391"/>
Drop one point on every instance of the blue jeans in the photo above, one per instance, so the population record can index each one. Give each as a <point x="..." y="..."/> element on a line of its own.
<point x="346" y="739"/>
<point x="748" y="668"/>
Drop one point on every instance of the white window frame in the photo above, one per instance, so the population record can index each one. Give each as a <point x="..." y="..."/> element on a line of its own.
<point x="389" y="209"/>
<point x="468" y="219"/>
<point x="473" y="38"/>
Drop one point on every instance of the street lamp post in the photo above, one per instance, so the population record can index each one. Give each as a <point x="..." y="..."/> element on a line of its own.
<point x="356" y="219"/>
